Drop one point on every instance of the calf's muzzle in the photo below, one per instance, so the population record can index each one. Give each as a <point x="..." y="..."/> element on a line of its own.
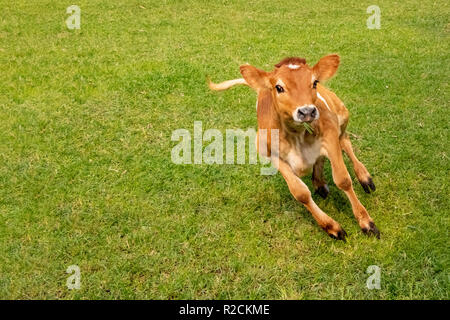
<point x="306" y="113"/>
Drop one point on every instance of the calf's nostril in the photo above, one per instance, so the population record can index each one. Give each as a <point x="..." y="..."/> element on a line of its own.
<point x="307" y="113"/>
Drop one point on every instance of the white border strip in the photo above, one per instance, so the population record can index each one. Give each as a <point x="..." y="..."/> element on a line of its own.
<point x="324" y="101"/>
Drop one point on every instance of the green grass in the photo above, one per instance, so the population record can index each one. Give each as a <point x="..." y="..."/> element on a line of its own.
<point x="86" y="118"/>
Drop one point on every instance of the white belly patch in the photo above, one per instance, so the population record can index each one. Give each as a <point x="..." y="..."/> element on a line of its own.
<point x="302" y="158"/>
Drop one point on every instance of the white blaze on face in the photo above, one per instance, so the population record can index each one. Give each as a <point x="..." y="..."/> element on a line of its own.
<point x="293" y="66"/>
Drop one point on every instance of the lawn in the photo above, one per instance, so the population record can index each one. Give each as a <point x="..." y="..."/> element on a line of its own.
<point x="86" y="177"/>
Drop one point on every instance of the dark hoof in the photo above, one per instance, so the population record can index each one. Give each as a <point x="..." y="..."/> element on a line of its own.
<point x="323" y="191"/>
<point x="369" y="185"/>
<point x="373" y="230"/>
<point x="341" y="234"/>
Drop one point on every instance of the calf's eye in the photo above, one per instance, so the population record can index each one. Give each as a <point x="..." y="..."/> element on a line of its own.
<point x="279" y="88"/>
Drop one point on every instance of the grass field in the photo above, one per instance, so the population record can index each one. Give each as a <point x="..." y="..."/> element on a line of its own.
<point x="86" y="178"/>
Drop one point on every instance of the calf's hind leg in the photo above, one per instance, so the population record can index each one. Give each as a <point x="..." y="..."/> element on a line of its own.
<point x="361" y="172"/>
<point x="318" y="180"/>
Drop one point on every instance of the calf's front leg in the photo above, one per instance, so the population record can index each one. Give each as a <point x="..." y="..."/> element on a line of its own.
<point x="302" y="194"/>
<point x="342" y="179"/>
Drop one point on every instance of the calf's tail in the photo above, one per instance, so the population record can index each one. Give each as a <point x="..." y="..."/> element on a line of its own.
<point x="226" y="84"/>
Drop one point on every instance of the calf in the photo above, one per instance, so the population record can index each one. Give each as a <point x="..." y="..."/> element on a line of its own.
<point x="288" y="97"/>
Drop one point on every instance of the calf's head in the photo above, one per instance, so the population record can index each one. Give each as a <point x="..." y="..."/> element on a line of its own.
<point x="291" y="87"/>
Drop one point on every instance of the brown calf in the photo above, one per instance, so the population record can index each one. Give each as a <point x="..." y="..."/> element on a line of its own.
<point x="289" y="96"/>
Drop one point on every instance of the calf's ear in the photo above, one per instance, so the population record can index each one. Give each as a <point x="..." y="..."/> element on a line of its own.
<point x="326" y="67"/>
<point x="257" y="79"/>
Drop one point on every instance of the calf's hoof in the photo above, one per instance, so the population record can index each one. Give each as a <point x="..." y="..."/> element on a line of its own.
<point x="336" y="232"/>
<point x="368" y="185"/>
<point x="340" y="235"/>
<point x="323" y="191"/>
<point x="371" y="230"/>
